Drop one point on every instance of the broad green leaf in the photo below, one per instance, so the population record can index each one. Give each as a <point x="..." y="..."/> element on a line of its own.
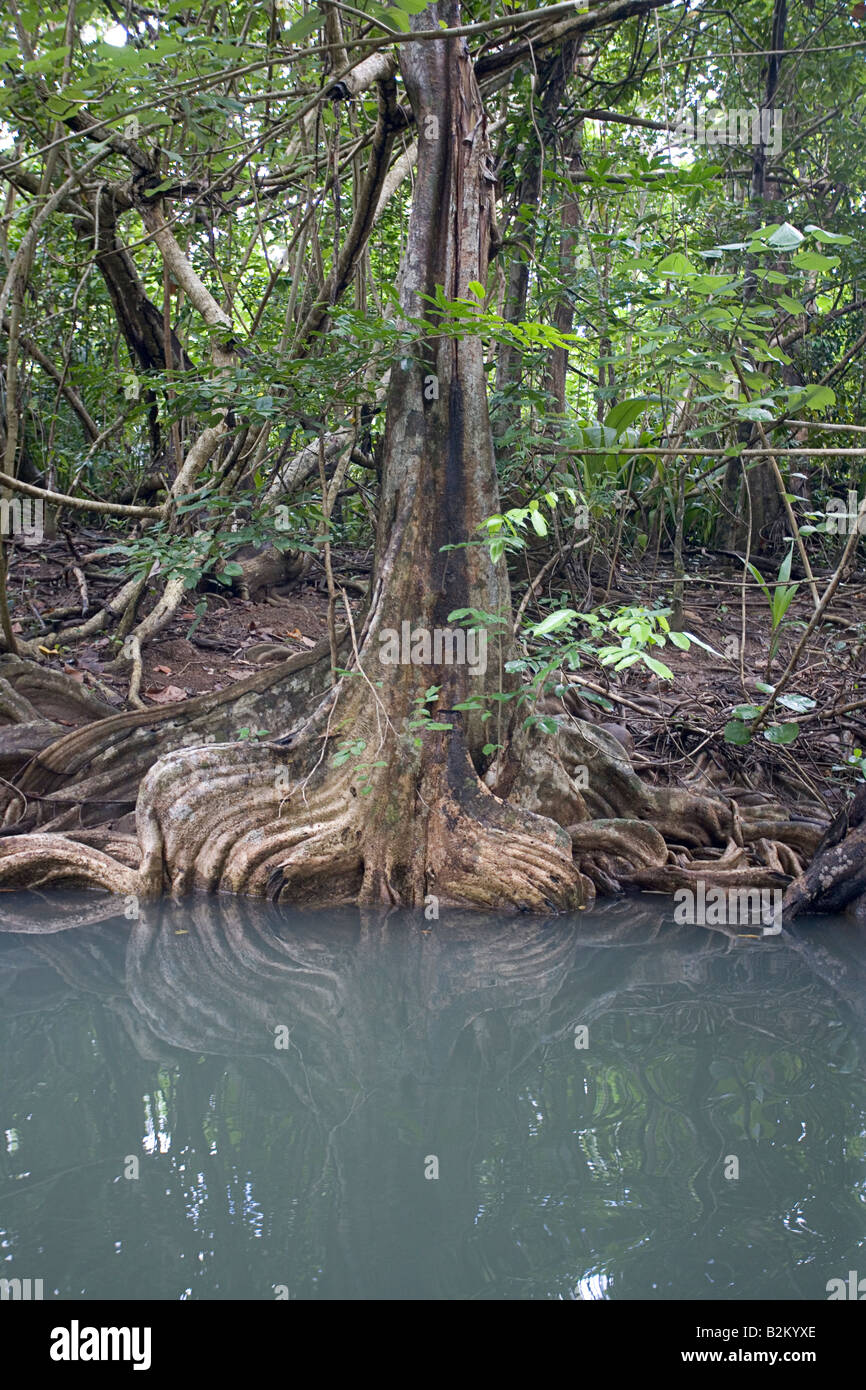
<point x="737" y="732"/>
<point x="303" y="27"/>
<point x="813" y="398"/>
<point x="399" y="19"/>
<point x="676" y="264"/>
<point x="621" y="416"/>
<point x="658" y="667"/>
<point x="837" y="238"/>
<point x="782" y="733"/>
<point x="785" y="237"/>
<point x="811" y="260"/>
<point x="554" y="622"/>
<point x="790" y="304"/>
<point x="798" y="703"/>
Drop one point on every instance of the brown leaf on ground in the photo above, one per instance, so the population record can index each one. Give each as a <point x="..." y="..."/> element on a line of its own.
<point x="169" y="696"/>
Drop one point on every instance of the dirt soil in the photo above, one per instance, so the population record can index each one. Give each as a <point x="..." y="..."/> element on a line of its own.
<point x="674" y="730"/>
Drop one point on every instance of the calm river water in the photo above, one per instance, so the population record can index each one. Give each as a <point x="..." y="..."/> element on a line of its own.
<point x="223" y="1100"/>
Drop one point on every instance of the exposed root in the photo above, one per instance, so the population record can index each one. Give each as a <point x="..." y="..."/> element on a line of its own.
<point x="238" y="819"/>
<point x="411" y="819"/>
<point x="162" y="613"/>
<point x="50" y="692"/>
<point x="36" y="860"/>
<point x="93" y="774"/>
<point x="836" y="878"/>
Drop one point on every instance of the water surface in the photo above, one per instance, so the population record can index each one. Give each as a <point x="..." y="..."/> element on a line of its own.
<point x="286" y="1088"/>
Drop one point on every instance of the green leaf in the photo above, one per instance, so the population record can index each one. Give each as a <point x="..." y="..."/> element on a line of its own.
<point x="798" y="703"/>
<point x="785" y="567"/>
<point x="790" y="304"/>
<point x="811" y="260"/>
<point x="782" y="733"/>
<point x="594" y="699"/>
<point x="737" y="732"/>
<point x="658" y="667"/>
<point x="398" y="19"/>
<point x="554" y="622"/>
<point x="475" y="285"/>
<point x="746" y="712"/>
<point x="621" y="416"/>
<point x="814" y="398"/>
<point x="785" y="237"/>
<point x="303" y="27"/>
<point x="675" y="264"/>
<point x="699" y="641"/>
<point x="838" y="238"/>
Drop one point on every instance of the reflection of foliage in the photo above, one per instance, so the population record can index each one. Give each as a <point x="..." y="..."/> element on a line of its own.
<point x="560" y="1168"/>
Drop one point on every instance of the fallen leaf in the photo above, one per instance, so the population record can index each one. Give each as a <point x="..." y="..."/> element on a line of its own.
<point x="169" y="696"/>
<point x="165" y="670"/>
<point x="308" y="641"/>
<point x="295" y="632"/>
<point x="90" y="662"/>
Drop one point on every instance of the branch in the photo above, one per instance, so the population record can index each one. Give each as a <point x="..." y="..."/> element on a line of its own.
<point x="390" y="120"/>
<point x="83" y="504"/>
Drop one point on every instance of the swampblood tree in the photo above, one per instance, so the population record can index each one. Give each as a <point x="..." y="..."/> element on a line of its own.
<point x="295" y="821"/>
<point x="353" y="803"/>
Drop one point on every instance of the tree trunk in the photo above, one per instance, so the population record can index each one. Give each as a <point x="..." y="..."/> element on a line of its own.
<point x="763" y="512"/>
<point x="366" y="801"/>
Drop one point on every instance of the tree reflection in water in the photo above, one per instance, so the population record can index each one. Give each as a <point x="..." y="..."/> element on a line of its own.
<point x="563" y="1171"/>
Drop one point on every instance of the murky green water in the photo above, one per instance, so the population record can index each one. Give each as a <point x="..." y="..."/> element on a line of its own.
<point x="286" y="1088"/>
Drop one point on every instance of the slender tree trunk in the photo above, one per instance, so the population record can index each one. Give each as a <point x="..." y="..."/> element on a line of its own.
<point x="768" y="519"/>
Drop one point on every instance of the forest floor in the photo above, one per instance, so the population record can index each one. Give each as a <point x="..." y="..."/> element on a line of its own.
<point x="674" y="730"/>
